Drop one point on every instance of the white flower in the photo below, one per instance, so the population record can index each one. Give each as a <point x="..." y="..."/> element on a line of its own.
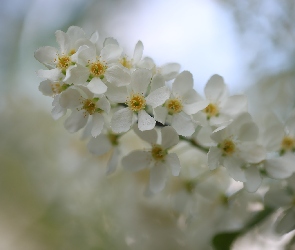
<point x="221" y="107"/>
<point x="59" y="62"/>
<point x="94" y="69"/>
<point x="106" y="143"/>
<point x="83" y="105"/>
<point x="236" y="147"/>
<point x="169" y="71"/>
<point x="157" y="158"/>
<point x="136" y="101"/>
<point x="183" y="102"/>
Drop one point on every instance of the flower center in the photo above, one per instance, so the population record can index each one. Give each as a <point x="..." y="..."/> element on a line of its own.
<point x="174" y="106"/>
<point x="63" y="62"/>
<point x="97" y="69"/>
<point x="211" y="110"/>
<point x="126" y="63"/>
<point x="158" y="153"/>
<point x="136" y="102"/>
<point x="288" y="143"/>
<point x="89" y="106"/>
<point x="57" y="87"/>
<point x="228" y="147"/>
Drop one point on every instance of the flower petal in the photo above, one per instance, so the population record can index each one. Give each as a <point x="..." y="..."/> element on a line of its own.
<point x="77" y="74"/>
<point x="118" y="75"/>
<point x="158" y="177"/>
<point x="63" y="41"/>
<point x="149" y="136"/>
<point x="75" y="121"/>
<point x="97" y="124"/>
<point x="253" y="178"/>
<point x="183" y="83"/>
<point x="97" y="86"/>
<point x="281" y="167"/>
<point x="75" y="33"/>
<point x="214" y="156"/>
<point x="46" y="55"/>
<point x="157" y="82"/>
<point x="235" y="104"/>
<point x="117" y="94"/>
<point x="138" y="50"/>
<point x="145" y="121"/>
<point x="111" y="53"/>
<point x="169" y="137"/>
<point x="173" y="160"/>
<point x="45" y="88"/>
<point x="52" y="74"/>
<point x="158" y="97"/>
<point x="70" y="98"/>
<point x="140" y="79"/>
<point x="233" y="165"/>
<point x="170" y="70"/>
<point x="193" y="108"/>
<point x="99" y="145"/>
<point x="183" y="124"/>
<point x="248" y="132"/>
<point x="137" y="160"/>
<point x="122" y="120"/>
<point x="160" y="114"/>
<point x="215" y="88"/>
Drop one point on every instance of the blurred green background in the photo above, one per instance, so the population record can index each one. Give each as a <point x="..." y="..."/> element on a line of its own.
<point x="53" y="193"/>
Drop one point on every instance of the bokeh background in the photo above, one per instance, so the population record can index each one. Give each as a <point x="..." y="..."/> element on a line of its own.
<point x="53" y="193"/>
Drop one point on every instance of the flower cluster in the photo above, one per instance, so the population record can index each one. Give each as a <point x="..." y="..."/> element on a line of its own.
<point x="109" y="94"/>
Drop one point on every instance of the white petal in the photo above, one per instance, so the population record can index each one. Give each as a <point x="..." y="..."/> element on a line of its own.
<point x="71" y="98"/>
<point x="117" y="94"/>
<point x="158" y="177"/>
<point x="46" y="55"/>
<point x="170" y="70"/>
<point x="99" y="145"/>
<point x="138" y="50"/>
<point x="113" y="161"/>
<point x="97" y="86"/>
<point x="219" y="134"/>
<point x="97" y="124"/>
<point x="94" y="37"/>
<point x="183" y="124"/>
<point x="145" y="121"/>
<point x="75" y="33"/>
<point x="248" y="132"/>
<point x="183" y="83"/>
<point x="281" y="167"/>
<point x="122" y="120"/>
<point x="157" y="82"/>
<point x="45" y="88"/>
<point x="158" y="97"/>
<point x="118" y="75"/>
<point x="203" y="136"/>
<point x="287" y="222"/>
<point x="233" y="166"/>
<point x="251" y="152"/>
<point x="75" y="121"/>
<point x="52" y="74"/>
<point x="111" y="53"/>
<point x="253" y="178"/>
<point x="110" y="40"/>
<point x="215" y="88"/>
<point x="213" y="156"/>
<point x="169" y="137"/>
<point x="235" y="104"/>
<point x="272" y="137"/>
<point x="77" y="75"/>
<point x="173" y="160"/>
<point x="193" y="108"/>
<point x="104" y="104"/>
<point x="160" y="114"/>
<point x="140" y="79"/>
<point x="57" y="110"/>
<point x="137" y="160"/>
<point x="63" y="40"/>
<point x="149" y="136"/>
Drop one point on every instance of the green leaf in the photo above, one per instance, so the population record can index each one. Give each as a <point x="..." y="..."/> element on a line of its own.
<point x="223" y="241"/>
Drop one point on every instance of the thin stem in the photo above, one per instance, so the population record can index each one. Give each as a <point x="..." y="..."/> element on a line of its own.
<point x="194" y="143"/>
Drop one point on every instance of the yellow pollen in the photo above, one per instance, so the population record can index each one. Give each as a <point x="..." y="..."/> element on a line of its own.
<point x="174" y="106"/>
<point x="63" y="62"/>
<point x="56" y="88"/>
<point x="158" y="153"/>
<point x="89" y="105"/>
<point x="228" y="147"/>
<point x="126" y="63"/>
<point x="136" y="102"/>
<point x="97" y="69"/>
<point x="288" y="143"/>
<point x="72" y="52"/>
<point x="211" y="110"/>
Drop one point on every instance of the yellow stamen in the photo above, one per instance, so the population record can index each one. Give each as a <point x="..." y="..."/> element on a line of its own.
<point x="228" y="147"/>
<point x="158" y="153"/>
<point x="174" y="106"/>
<point x="136" y="102"/>
<point x="97" y="69"/>
<point x="211" y="110"/>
